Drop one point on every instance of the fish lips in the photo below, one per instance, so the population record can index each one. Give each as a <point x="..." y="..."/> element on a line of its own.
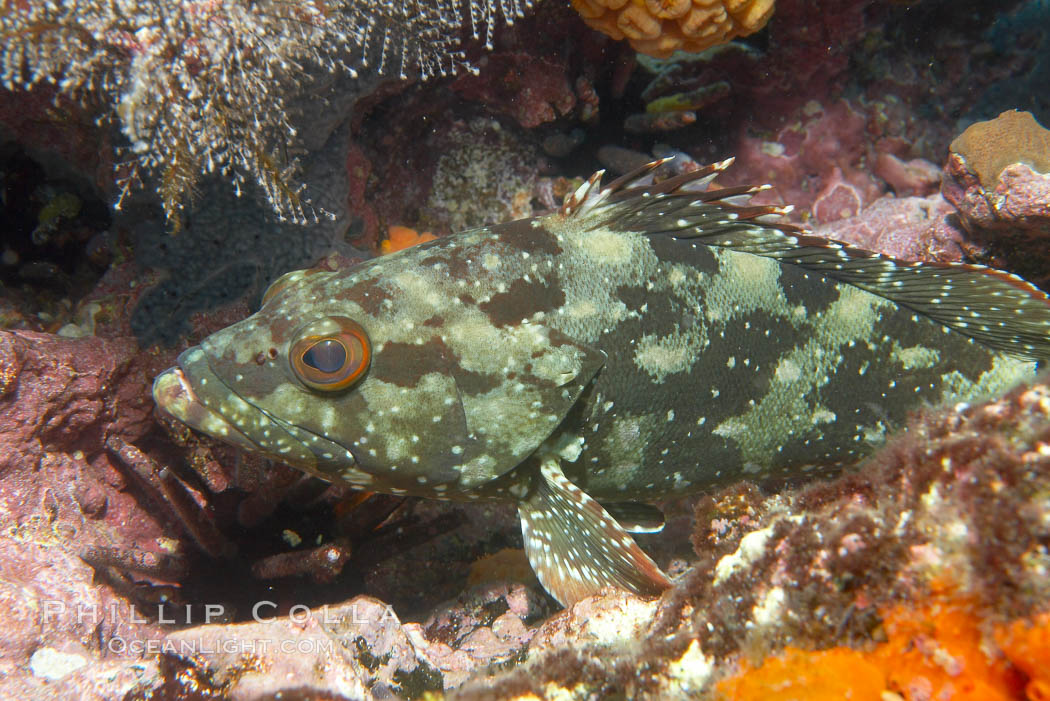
<point x="194" y="394"/>
<point x="175" y="397"/>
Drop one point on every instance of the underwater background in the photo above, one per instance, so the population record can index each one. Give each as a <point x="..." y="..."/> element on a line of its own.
<point x="163" y="162"/>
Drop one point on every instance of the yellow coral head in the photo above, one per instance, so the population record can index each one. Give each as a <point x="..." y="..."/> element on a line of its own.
<point x="660" y="27"/>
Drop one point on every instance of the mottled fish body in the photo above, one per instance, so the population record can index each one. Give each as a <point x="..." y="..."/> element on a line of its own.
<point x="643" y="342"/>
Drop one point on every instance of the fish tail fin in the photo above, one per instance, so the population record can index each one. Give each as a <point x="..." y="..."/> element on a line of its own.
<point x="576" y="548"/>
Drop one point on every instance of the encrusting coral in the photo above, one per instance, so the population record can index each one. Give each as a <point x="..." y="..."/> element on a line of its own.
<point x="661" y="27"/>
<point x="206" y="85"/>
<point x="1012" y="137"/>
<point x="998" y="178"/>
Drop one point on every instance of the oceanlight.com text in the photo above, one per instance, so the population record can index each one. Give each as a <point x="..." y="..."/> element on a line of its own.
<point x="232" y="646"/>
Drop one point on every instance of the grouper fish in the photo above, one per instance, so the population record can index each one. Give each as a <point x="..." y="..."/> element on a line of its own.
<point x="644" y="341"/>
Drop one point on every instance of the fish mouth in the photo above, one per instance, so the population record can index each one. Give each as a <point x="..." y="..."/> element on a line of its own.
<point x="195" y="395"/>
<point x="175" y="397"/>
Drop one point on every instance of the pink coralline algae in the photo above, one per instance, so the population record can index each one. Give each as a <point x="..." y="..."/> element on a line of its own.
<point x="916" y="176"/>
<point x="60" y="399"/>
<point x="816" y="162"/>
<point x="909" y="228"/>
<point x="533" y="90"/>
<point x="838" y="199"/>
<point x="1019" y="199"/>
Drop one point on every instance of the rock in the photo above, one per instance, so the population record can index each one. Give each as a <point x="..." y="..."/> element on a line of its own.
<point x="317" y="652"/>
<point x="987" y="148"/>
<point x="998" y="175"/>
<point x="358" y="649"/>
<point x="909" y="228"/>
<point x="62" y="399"/>
<point x="1017" y="201"/>
<point x="610" y="620"/>
<point x="998" y="178"/>
<point x="540" y="91"/>
<point x="63" y="634"/>
<point x="52" y="664"/>
<point x="488" y="624"/>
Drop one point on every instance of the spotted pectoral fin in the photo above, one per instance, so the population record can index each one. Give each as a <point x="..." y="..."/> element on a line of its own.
<point x="636" y="517"/>
<point x="576" y="547"/>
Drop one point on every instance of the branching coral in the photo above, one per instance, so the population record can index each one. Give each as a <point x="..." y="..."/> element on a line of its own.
<point x="661" y="27"/>
<point x="205" y="85"/>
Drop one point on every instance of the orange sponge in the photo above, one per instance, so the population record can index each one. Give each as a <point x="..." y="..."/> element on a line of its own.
<point x="660" y="27"/>
<point x="800" y="675"/>
<point x="399" y="237"/>
<point x="938" y="651"/>
<point x="508" y="564"/>
<point x="934" y="650"/>
<point x="1027" y="644"/>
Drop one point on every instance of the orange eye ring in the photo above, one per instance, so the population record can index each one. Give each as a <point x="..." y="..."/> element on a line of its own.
<point x="331" y="355"/>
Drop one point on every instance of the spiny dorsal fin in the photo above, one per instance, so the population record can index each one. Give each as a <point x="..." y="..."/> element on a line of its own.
<point x="995" y="308"/>
<point x="576" y="548"/>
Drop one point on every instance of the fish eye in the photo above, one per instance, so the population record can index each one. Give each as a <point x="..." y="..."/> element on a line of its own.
<point x="331" y="354"/>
